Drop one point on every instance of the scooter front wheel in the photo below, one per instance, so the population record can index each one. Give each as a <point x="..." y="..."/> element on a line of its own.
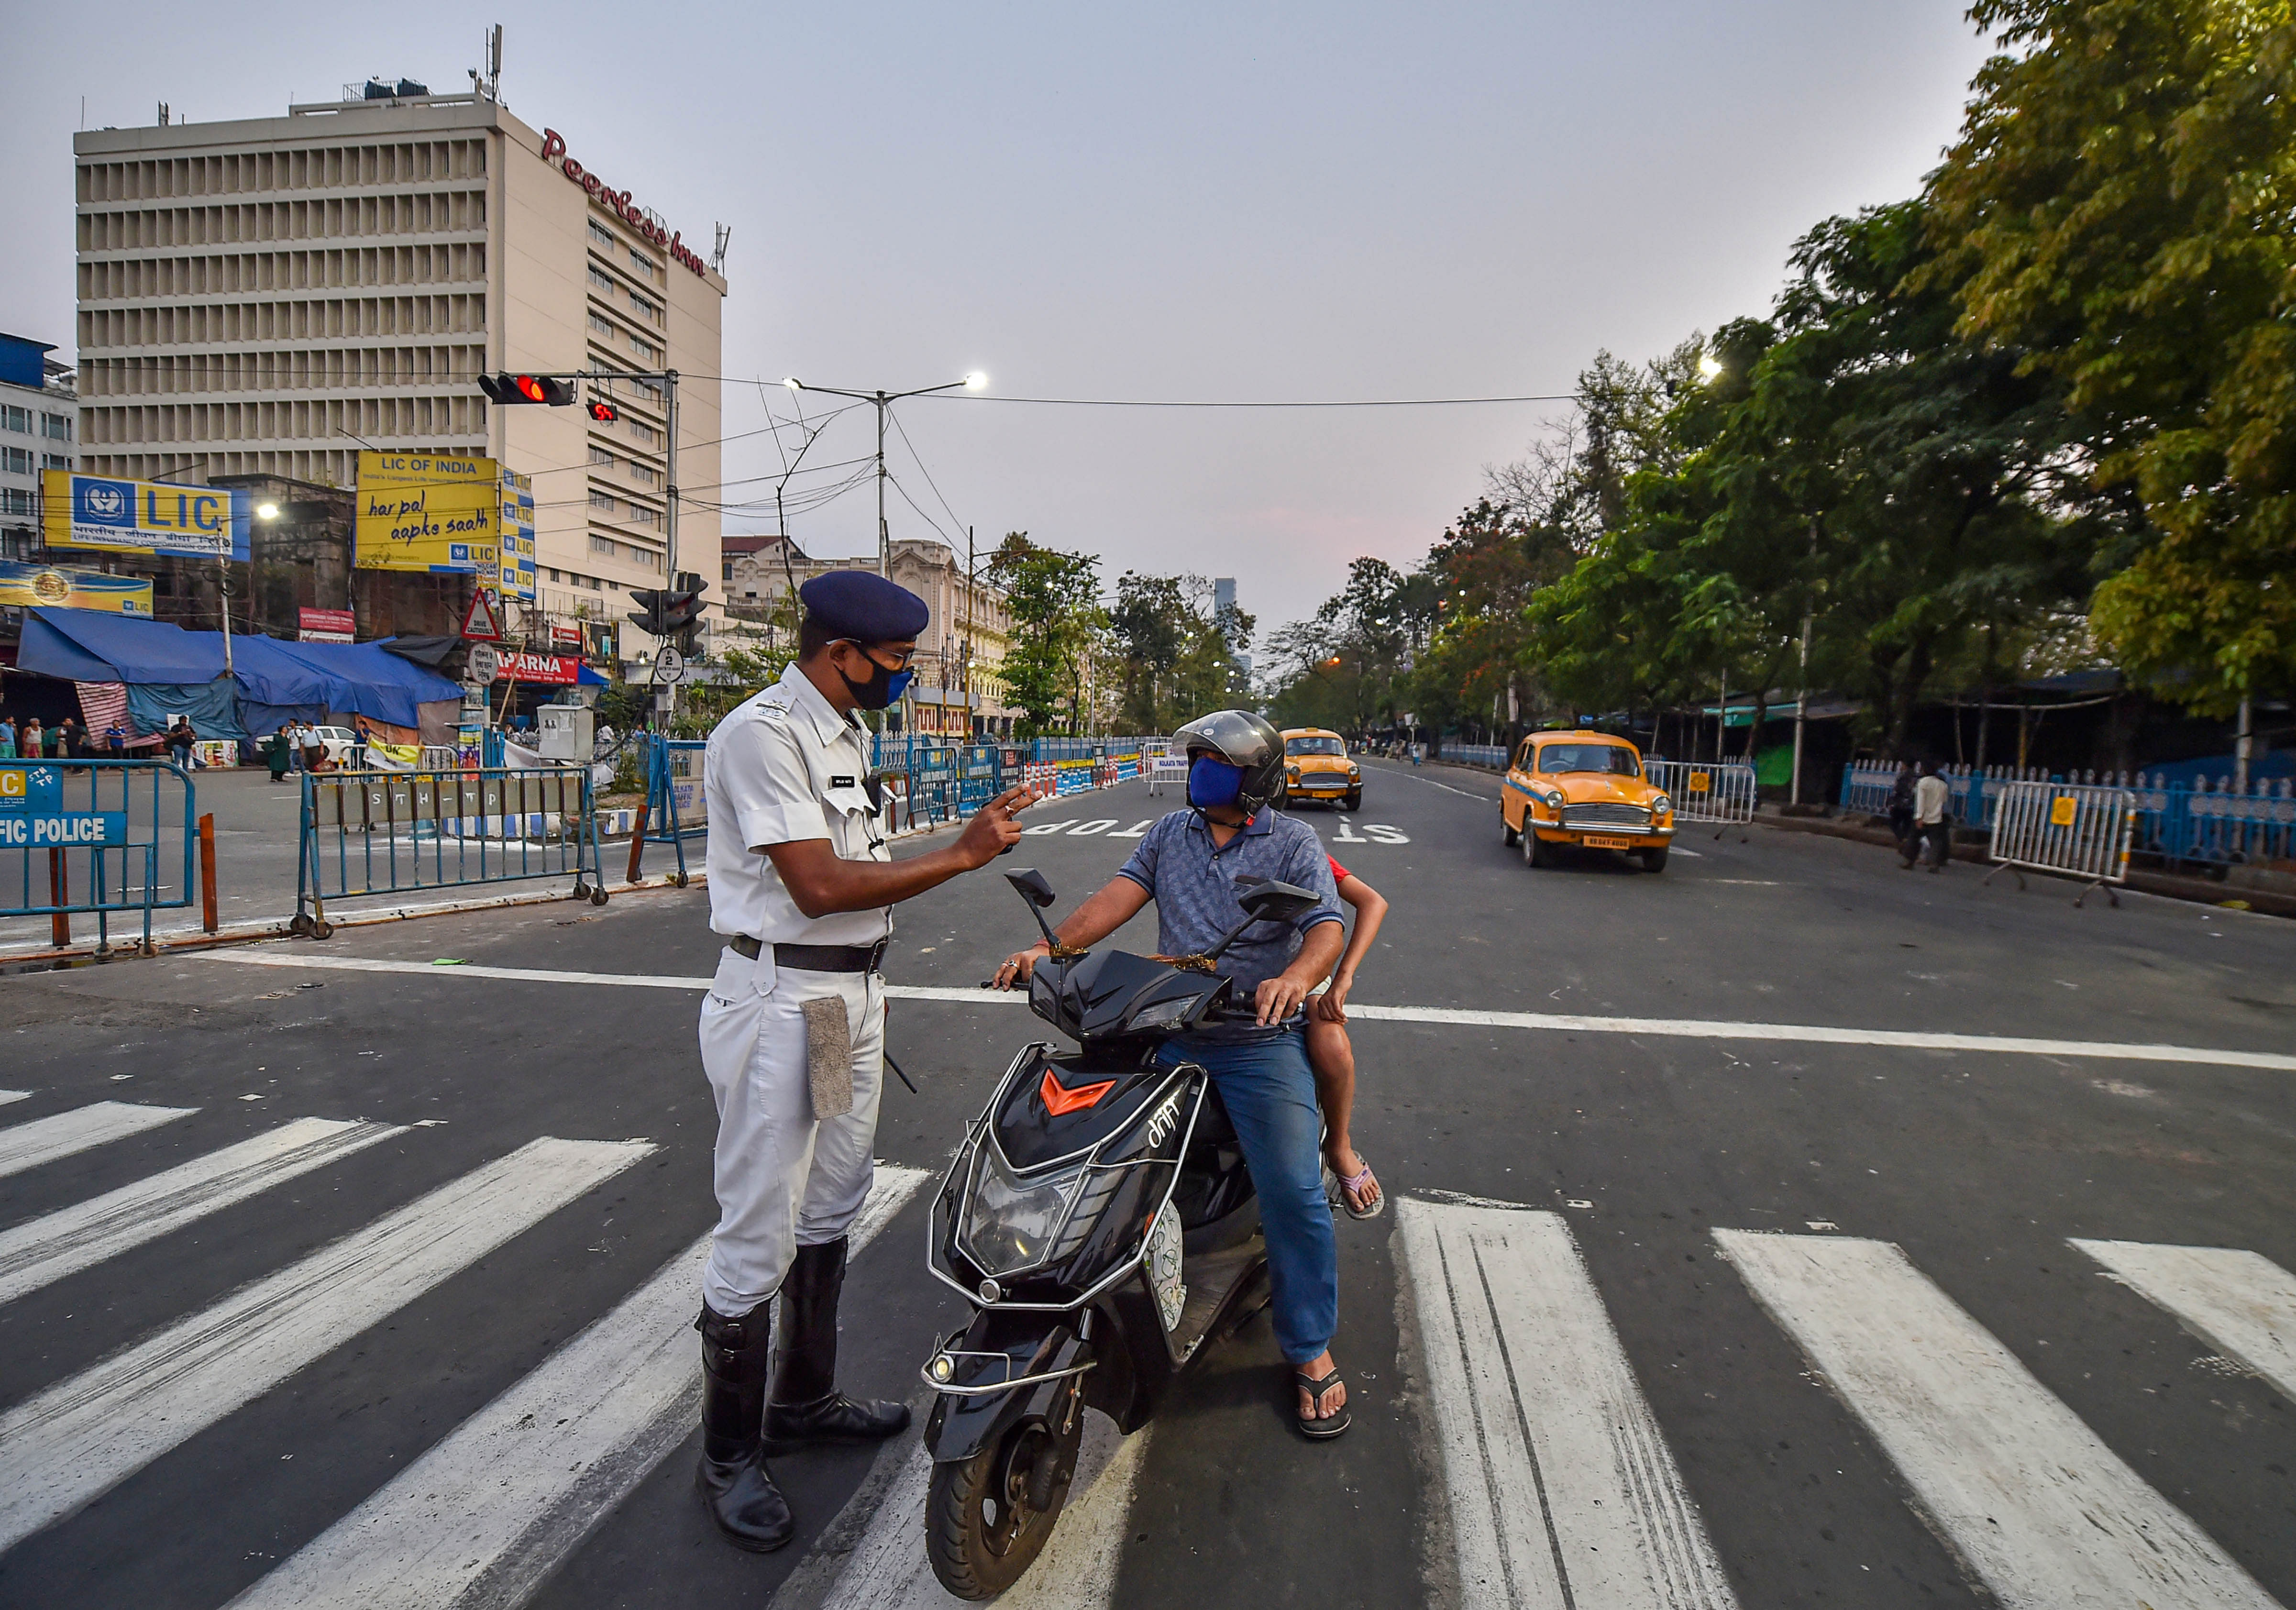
<point x="988" y="1516"/>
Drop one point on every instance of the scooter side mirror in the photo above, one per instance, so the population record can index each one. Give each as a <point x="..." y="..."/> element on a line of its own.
<point x="1270" y="901"/>
<point x="1032" y="886"/>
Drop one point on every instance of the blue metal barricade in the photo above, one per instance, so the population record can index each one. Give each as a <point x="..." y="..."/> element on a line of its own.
<point x="982" y="776"/>
<point x="935" y="783"/>
<point x="677" y="805"/>
<point x="396" y="832"/>
<point x="94" y="836"/>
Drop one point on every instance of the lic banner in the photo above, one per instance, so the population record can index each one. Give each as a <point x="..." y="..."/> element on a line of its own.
<point x="24" y="585"/>
<point x="429" y="512"/>
<point x="143" y="516"/>
<point x="32" y="816"/>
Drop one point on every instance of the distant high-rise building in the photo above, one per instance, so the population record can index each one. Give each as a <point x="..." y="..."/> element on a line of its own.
<point x="266" y="297"/>
<point x="37" y="413"/>
<point x="1223" y="617"/>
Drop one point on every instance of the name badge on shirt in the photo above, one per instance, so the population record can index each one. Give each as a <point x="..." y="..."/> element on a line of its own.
<point x="841" y="782"/>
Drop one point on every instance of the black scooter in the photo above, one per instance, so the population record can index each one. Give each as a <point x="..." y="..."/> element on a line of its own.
<point x="1100" y="1218"/>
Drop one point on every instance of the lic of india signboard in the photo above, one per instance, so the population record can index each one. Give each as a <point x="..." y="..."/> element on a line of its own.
<point x="143" y="516"/>
<point x="32" y="814"/>
<point x="429" y="512"/>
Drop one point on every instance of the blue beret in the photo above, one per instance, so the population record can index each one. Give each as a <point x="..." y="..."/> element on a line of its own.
<point x="865" y="606"/>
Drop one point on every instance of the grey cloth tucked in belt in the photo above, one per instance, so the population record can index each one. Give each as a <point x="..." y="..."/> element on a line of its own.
<point x="815" y="958"/>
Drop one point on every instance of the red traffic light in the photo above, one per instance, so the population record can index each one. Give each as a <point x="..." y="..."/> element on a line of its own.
<point x="530" y="388"/>
<point x="603" y="412"/>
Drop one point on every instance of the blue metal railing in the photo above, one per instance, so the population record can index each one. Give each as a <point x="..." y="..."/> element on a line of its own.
<point x="97" y="827"/>
<point x="397" y="832"/>
<point x="2210" y="825"/>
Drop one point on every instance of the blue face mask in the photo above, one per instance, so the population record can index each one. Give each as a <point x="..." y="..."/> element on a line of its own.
<point x="1213" y="783"/>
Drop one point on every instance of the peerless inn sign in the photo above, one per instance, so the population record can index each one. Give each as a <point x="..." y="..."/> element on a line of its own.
<point x="619" y="203"/>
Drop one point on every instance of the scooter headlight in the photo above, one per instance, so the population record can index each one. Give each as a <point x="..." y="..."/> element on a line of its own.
<point x="1009" y="1224"/>
<point x="1164" y="1014"/>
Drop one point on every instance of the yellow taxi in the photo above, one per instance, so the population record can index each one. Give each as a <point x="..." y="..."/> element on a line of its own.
<point x="1583" y="788"/>
<point x="1316" y="766"/>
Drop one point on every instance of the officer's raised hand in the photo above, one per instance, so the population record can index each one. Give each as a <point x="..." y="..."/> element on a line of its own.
<point x="992" y="831"/>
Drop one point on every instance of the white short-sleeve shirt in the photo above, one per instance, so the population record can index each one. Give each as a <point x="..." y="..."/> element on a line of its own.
<point x="782" y="767"/>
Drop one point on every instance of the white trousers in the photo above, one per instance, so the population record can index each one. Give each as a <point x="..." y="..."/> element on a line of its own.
<point x="784" y="1180"/>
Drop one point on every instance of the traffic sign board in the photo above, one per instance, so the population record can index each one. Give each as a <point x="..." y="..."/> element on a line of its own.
<point x="480" y="621"/>
<point x="485" y="664"/>
<point x="668" y="664"/>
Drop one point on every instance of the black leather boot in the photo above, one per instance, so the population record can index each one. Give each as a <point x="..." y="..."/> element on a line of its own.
<point x="806" y="1408"/>
<point x="732" y="1477"/>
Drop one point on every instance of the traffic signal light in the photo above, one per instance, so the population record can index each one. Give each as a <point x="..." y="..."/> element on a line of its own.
<point x="681" y="612"/>
<point x="528" y="389"/>
<point x="603" y="412"/>
<point x="647" y="617"/>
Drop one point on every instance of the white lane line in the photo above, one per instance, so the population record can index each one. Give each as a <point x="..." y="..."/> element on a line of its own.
<point x="84" y="1436"/>
<point x="2240" y="1303"/>
<point x="2043" y="1513"/>
<point x="56" y="1244"/>
<point x="8" y="1096"/>
<point x="484" y="1516"/>
<point x="26" y="1145"/>
<point x="1562" y="1489"/>
<point x="1548" y="1022"/>
<point x="1488" y="798"/>
<point x="888" y="1570"/>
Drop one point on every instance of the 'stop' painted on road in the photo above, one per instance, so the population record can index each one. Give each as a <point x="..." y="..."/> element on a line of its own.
<point x="1551" y="1022"/>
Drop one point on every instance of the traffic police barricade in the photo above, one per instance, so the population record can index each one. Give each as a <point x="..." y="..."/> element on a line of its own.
<point x="980" y="768"/>
<point x="934" y="783"/>
<point x="1705" y="791"/>
<point x="100" y="827"/>
<point x="2075" y="830"/>
<point x="676" y="806"/>
<point x="396" y="832"/>
<point x="1163" y="766"/>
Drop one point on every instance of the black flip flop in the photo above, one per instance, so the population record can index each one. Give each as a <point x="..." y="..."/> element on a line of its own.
<point x="1324" y="1430"/>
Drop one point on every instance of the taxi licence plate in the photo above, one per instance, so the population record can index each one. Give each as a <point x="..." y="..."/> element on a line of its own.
<point x="1594" y="841"/>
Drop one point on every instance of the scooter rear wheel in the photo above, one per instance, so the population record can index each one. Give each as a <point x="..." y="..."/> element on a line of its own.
<point x="988" y="1517"/>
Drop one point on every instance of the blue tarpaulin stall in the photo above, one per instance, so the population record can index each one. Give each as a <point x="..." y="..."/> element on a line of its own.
<point x="173" y="668"/>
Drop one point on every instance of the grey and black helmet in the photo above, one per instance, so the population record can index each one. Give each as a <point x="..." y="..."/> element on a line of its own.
<point x="1244" y="740"/>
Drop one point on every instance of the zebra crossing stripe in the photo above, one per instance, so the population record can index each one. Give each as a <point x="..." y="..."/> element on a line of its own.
<point x="2240" y="1303"/>
<point x="26" y="1145"/>
<point x="81" y="1437"/>
<point x="484" y="1516"/>
<point x="58" y="1244"/>
<point x="2038" y="1506"/>
<point x="1562" y="1491"/>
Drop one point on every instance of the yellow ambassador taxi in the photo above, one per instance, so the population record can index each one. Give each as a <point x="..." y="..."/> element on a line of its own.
<point x="1584" y="788"/>
<point x="1316" y="766"/>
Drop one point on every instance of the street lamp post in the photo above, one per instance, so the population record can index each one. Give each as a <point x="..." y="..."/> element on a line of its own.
<point x="884" y="400"/>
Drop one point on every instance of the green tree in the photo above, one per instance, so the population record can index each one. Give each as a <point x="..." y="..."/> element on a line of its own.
<point x="1054" y="600"/>
<point x="2121" y="210"/>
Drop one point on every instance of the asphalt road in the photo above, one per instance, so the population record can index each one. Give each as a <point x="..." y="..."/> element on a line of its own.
<point x="1635" y="1333"/>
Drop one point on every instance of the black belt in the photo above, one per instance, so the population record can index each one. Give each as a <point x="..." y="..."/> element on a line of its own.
<point x="815" y="958"/>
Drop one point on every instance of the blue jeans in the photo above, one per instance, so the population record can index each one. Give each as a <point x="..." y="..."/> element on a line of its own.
<point x="1270" y="1095"/>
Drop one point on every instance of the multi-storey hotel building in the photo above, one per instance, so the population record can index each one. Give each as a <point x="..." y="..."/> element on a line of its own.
<point x="267" y="297"/>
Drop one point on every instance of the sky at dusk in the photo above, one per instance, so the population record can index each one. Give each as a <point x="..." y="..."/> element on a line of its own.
<point x="1239" y="201"/>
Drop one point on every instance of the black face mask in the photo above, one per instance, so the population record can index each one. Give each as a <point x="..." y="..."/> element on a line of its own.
<point x="883" y="686"/>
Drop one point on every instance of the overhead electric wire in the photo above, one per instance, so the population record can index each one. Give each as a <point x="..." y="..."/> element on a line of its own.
<point x="1368" y="402"/>
<point x="927" y="473"/>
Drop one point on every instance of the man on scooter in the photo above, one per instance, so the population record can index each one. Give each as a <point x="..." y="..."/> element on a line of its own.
<point x="1188" y="864"/>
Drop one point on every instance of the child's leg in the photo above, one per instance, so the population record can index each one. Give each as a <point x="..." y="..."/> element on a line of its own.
<point x="1332" y="1060"/>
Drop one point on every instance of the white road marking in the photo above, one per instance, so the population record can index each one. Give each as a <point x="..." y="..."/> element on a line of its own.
<point x="2240" y="1303"/>
<point x="26" y="1145"/>
<point x="8" y="1096"/>
<point x="2041" y="1509"/>
<point x="55" y="1245"/>
<point x="483" y="1517"/>
<point x="1076" y="1571"/>
<point x="1043" y="828"/>
<point x="1562" y="1491"/>
<point x="84" y="1436"/>
<point x="1138" y="830"/>
<point x="1085" y="830"/>
<point x="1549" y="1021"/>
<point x="1488" y="798"/>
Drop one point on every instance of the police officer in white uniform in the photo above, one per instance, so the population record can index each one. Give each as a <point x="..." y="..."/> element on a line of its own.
<point x="793" y="1032"/>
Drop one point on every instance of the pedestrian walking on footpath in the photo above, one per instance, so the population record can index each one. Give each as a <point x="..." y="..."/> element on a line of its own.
<point x="32" y="742"/>
<point x="7" y="737"/>
<point x="1933" y="824"/>
<point x="793" y="1033"/>
<point x="1901" y="808"/>
<point x="276" y="753"/>
<point x="67" y="740"/>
